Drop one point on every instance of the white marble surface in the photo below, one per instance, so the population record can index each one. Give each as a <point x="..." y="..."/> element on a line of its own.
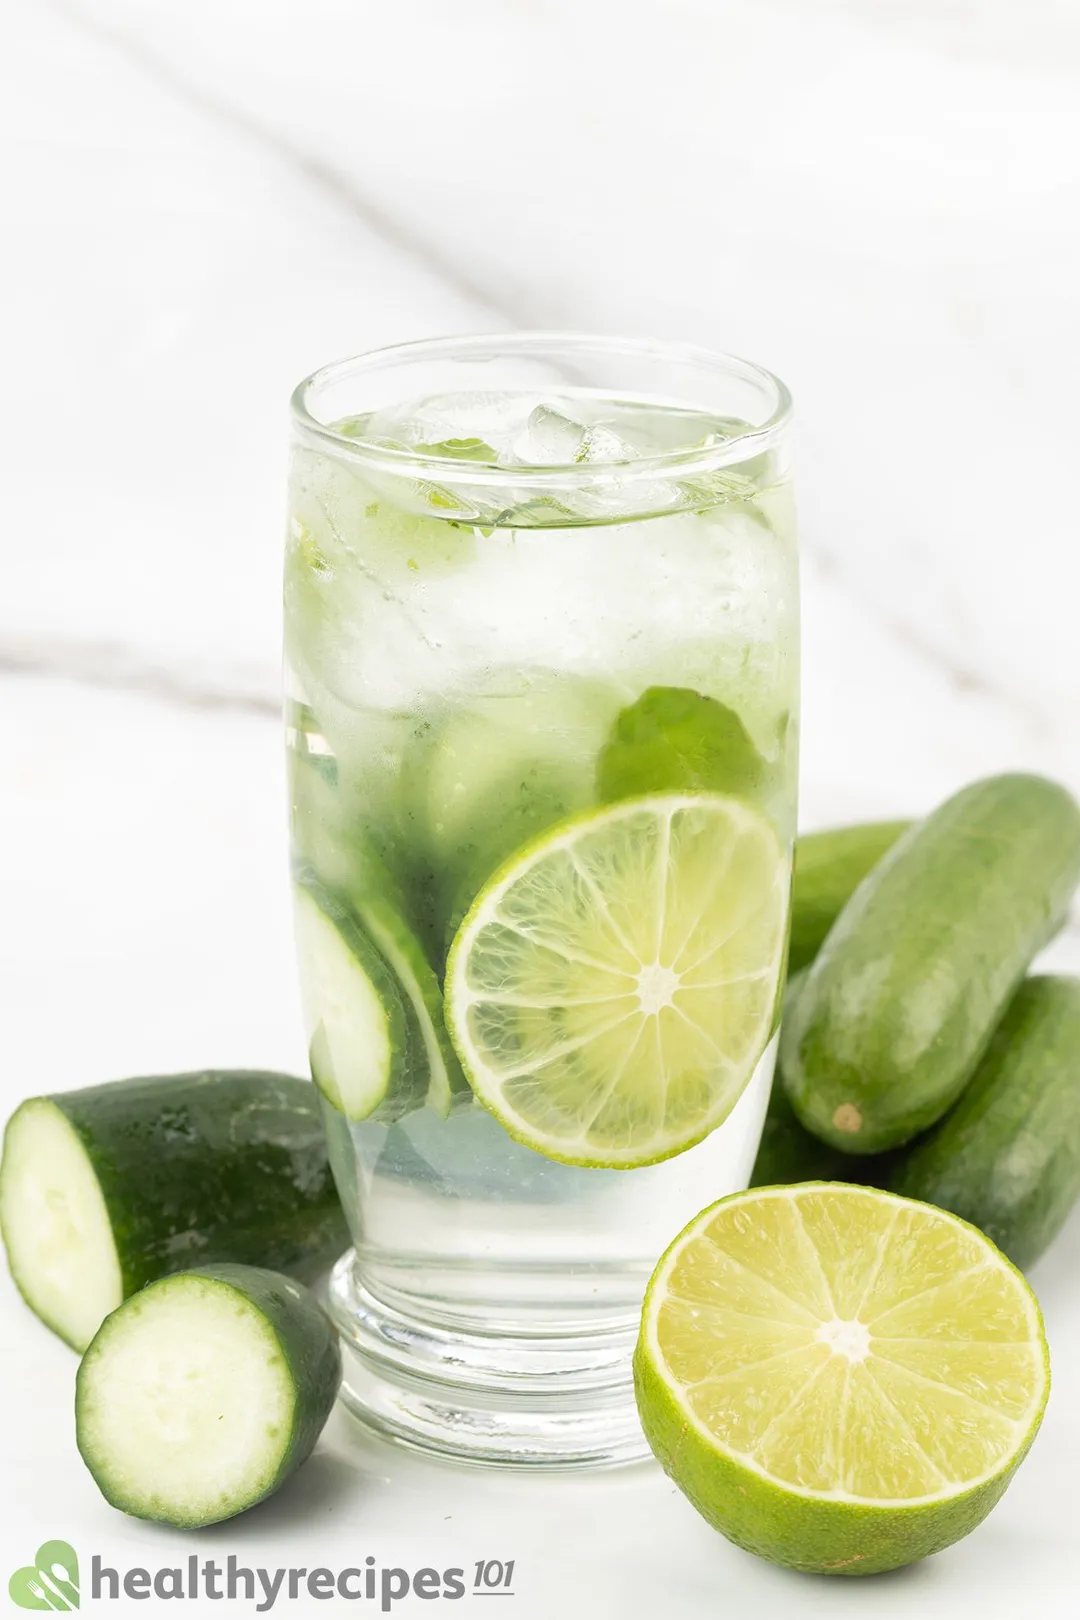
<point x="205" y="199"/>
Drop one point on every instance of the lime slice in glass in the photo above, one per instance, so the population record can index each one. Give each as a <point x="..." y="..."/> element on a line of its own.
<point x="614" y="985"/>
<point x="839" y="1379"/>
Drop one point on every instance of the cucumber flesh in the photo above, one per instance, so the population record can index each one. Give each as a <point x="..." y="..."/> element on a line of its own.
<point x="203" y="1393"/>
<point x="56" y="1225"/>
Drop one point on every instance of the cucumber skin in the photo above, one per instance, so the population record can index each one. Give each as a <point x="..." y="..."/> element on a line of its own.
<point x="212" y="1166"/>
<point x="787" y="1153"/>
<point x="904" y="996"/>
<point x="308" y="1343"/>
<point x="1007" y="1155"/>
<point x="829" y="866"/>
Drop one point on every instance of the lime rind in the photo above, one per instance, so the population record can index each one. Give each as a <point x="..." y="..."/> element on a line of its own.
<point x="958" y="1401"/>
<point x="613" y="985"/>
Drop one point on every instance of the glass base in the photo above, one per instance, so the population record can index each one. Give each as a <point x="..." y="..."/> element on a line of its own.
<point x="502" y="1401"/>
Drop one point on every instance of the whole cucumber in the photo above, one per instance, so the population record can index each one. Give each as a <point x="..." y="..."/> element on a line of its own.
<point x="829" y="866"/>
<point x="900" y="1004"/>
<point x="106" y="1189"/>
<point x="1006" y="1157"/>
<point x="787" y="1153"/>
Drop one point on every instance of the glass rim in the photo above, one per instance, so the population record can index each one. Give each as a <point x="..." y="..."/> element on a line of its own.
<point x="741" y="447"/>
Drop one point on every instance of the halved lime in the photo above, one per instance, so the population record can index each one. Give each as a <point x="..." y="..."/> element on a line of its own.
<point x="840" y="1380"/>
<point x="613" y="986"/>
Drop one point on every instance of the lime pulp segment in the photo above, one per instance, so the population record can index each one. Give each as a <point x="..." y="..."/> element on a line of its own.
<point x="839" y="1378"/>
<point x="614" y="985"/>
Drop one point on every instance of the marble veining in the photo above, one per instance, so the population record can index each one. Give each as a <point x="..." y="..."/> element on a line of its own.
<point x="335" y="182"/>
<point x="119" y="668"/>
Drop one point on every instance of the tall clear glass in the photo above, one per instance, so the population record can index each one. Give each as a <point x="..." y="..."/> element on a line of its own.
<point x="541" y="613"/>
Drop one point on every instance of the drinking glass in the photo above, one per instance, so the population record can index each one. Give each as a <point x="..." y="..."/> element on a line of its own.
<point x="541" y="631"/>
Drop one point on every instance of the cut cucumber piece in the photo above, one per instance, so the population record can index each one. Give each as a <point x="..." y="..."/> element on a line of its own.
<point x="367" y="1056"/>
<point x="107" y="1189"/>
<point x="403" y="952"/>
<point x="57" y="1231"/>
<point x="338" y="853"/>
<point x="201" y="1395"/>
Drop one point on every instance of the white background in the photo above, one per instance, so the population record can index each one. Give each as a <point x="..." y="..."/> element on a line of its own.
<point x="203" y="200"/>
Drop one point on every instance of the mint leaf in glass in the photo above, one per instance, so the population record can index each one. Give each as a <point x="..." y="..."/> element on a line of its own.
<point x="676" y="740"/>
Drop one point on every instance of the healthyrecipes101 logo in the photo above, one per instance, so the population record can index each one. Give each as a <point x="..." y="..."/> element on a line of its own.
<point x="50" y="1582"/>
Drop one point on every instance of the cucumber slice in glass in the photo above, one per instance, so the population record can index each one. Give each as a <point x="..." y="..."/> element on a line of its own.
<point x="367" y="1054"/>
<point x="345" y="864"/>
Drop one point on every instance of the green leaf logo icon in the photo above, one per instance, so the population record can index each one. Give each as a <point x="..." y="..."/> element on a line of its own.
<point x="50" y="1582"/>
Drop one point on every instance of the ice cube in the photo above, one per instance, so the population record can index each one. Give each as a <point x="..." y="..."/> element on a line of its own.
<point x="428" y="425"/>
<point x="606" y="438"/>
<point x="519" y="429"/>
<point x="353" y="611"/>
<point x="656" y="429"/>
<point x="567" y="434"/>
<point x="467" y="428"/>
<point x="553" y="438"/>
